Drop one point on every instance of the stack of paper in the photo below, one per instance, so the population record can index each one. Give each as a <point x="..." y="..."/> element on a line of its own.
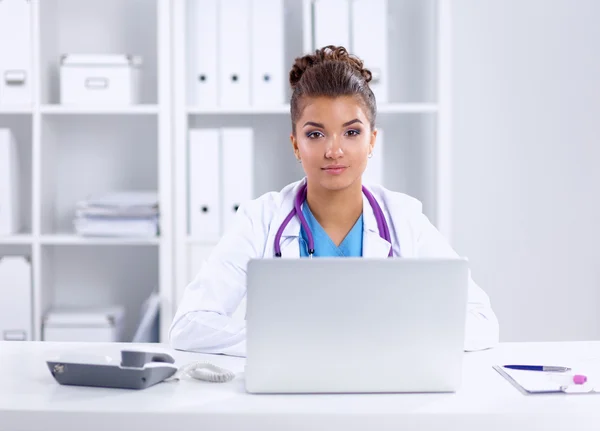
<point x="124" y="213"/>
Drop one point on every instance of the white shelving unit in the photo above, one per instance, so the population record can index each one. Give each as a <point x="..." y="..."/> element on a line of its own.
<point x="70" y="152"/>
<point x="416" y="121"/>
<point x="98" y="110"/>
<point x="15" y="110"/>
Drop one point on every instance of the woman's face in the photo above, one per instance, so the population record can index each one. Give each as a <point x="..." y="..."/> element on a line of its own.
<point x="333" y="140"/>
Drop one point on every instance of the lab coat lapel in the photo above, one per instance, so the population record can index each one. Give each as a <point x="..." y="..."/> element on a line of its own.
<point x="373" y="244"/>
<point x="290" y="237"/>
<point x="290" y="247"/>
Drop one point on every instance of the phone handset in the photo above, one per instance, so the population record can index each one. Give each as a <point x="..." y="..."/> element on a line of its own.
<point x="197" y="370"/>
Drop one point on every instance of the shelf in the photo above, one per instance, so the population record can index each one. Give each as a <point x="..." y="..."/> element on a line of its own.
<point x="17" y="239"/>
<point x="71" y="239"/>
<point x="15" y="110"/>
<point x="99" y="110"/>
<point x="197" y="110"/>
<point x="389" y="108"/>
<point x="82" y="277"/>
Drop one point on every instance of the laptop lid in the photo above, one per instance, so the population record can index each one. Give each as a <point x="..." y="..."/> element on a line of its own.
<point x="355" y="324"/>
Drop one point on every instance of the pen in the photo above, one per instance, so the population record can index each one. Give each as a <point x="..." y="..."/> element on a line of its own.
<point x="538" y="368"/>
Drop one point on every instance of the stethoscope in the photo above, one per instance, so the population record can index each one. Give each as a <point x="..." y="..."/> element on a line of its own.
<point x="384" y="231"/>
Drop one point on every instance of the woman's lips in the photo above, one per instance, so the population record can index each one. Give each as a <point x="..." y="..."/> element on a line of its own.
<point x="335" y="169"/>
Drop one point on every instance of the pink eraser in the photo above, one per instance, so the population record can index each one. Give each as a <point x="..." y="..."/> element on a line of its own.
<point x="578" y="379"/>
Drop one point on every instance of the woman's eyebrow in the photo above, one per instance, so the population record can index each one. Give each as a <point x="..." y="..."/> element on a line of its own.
<point x="312" y="123"/>
<point x="356" y="120"/>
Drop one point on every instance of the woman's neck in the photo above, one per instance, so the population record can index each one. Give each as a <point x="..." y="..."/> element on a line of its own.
<point x="336" y="210"/>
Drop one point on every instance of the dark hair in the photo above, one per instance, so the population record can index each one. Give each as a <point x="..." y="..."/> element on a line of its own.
<point x="331" y="72"/>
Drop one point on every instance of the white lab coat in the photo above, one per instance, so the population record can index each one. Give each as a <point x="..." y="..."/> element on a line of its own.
<point x="204" y="321"/>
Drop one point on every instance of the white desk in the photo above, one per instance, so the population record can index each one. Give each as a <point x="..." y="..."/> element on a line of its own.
<point x="30" y="399"/>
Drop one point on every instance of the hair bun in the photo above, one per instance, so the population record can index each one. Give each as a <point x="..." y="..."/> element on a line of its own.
<point x="325" y="54"/>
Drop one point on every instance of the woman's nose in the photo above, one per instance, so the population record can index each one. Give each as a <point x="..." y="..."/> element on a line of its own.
<point x="334" y="148"/>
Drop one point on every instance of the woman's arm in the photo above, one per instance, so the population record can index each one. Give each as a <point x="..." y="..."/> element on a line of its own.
<point x="204" y="322"/>
<point x="482" y="330"/>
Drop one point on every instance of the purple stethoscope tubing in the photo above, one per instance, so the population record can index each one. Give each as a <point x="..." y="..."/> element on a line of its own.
<point x="382" y="226"/>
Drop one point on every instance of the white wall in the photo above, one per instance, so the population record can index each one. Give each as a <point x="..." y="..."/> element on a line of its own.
<point x="527" y="161"/>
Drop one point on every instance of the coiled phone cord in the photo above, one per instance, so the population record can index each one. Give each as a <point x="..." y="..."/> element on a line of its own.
<point x="203" y="371"/>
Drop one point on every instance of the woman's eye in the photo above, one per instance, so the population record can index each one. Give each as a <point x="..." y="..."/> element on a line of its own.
<point x="314" y="135"/>
<point x="353" y="132"/>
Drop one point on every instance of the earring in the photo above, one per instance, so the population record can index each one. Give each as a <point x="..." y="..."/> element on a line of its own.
<point x="370" y="155"/>
<point x="299" y="161"/>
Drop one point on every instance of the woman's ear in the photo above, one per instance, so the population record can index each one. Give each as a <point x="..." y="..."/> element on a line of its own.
<point x="373" y="140"/>
<point x="295" y="146"/>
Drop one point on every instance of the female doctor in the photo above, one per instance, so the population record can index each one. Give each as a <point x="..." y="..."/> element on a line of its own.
<point x="328" y="213"/>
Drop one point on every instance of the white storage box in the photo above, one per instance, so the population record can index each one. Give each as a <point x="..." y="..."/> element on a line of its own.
<point x="10" y="222"/>
<point x="89" y="325"/>
<point x="15" y="306"/>
<point x="15" y="53"/>
<point x="100" y="79"/>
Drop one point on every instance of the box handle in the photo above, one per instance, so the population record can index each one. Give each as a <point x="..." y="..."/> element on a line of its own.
<point x="96" y="83"/>
<point x="14" y="335"/>
<point x="15" y="77"/>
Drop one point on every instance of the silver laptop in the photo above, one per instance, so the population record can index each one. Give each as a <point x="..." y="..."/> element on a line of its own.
<point x="355" y="325"/>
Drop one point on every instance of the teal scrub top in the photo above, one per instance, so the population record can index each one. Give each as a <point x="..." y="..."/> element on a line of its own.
<point x="351" y="246"/>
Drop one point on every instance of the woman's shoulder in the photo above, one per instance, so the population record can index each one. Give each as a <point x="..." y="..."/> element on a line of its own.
<point x="271" y="202"/>
<point x="268" y="204"/>
<point x="394" y="199"/>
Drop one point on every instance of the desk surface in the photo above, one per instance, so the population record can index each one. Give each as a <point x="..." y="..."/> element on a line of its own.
<point x="30" y="398"/>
